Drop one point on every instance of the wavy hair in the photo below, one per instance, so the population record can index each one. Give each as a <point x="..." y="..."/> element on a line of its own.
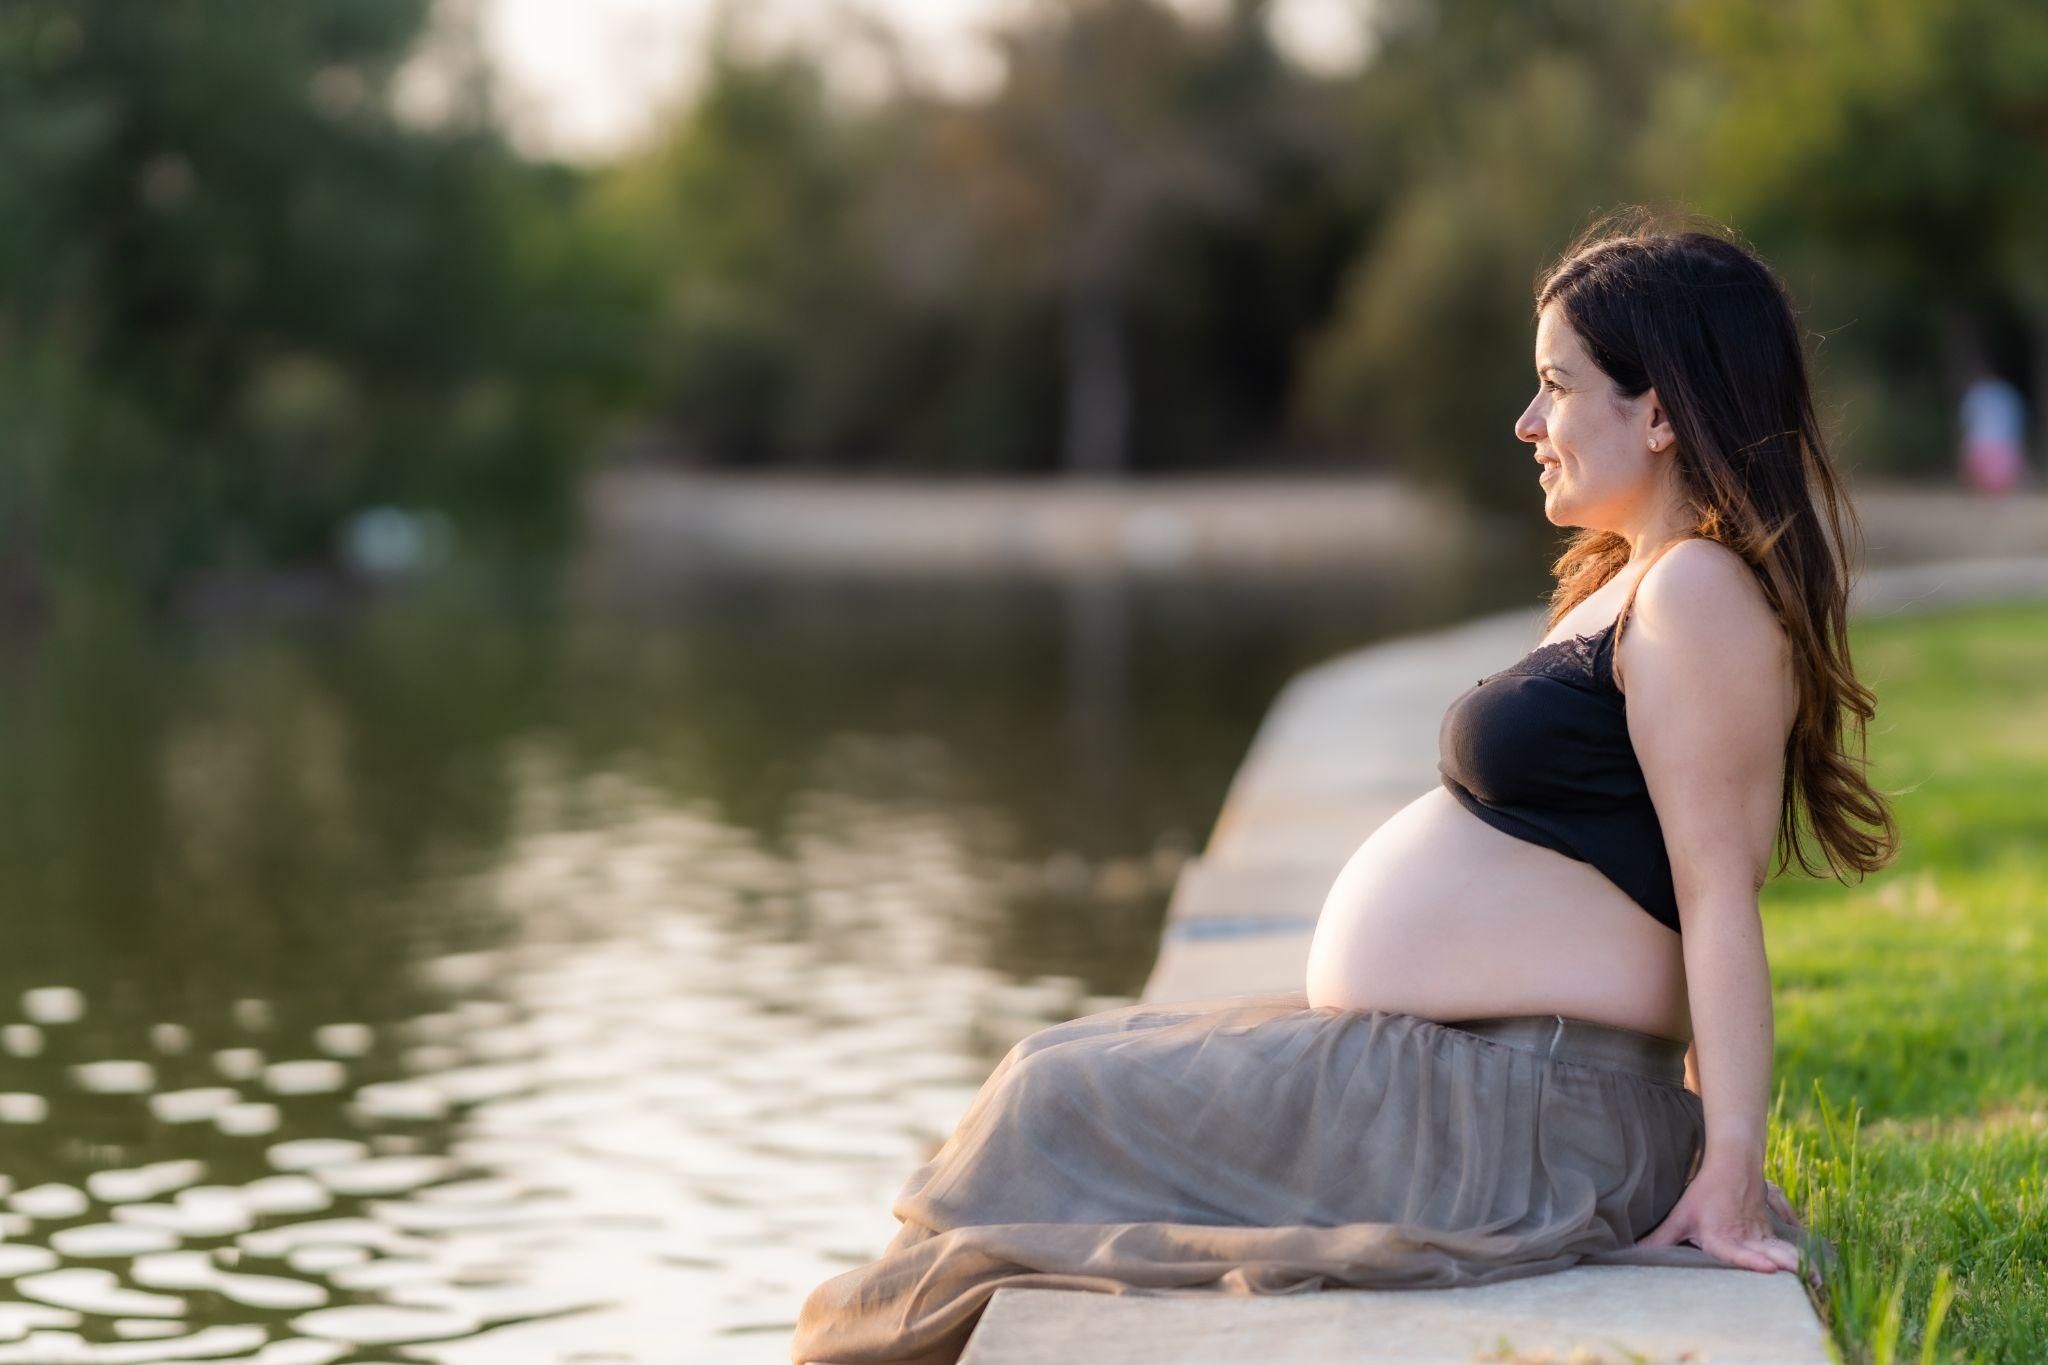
<point x="1709" y="325"/>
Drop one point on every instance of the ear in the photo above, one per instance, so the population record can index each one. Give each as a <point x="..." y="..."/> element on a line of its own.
<point x="1660" y="434"/>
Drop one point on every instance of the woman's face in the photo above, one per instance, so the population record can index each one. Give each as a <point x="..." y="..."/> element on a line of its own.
<point x="1593" y="447"/>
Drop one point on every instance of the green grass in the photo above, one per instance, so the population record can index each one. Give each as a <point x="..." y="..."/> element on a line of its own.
<point x="1912" y="1007"/>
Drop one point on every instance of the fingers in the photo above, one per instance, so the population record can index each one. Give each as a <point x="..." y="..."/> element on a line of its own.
<point x="1749" y="1258"/>
<point x="1764" y="1254"/>
<point x="1738" y="1253"/>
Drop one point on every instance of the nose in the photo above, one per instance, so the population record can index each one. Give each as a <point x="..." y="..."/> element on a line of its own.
<point x="1529" y="426"/>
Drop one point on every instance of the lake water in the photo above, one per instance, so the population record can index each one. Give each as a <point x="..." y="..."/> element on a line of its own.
<point x="533" y="975"/>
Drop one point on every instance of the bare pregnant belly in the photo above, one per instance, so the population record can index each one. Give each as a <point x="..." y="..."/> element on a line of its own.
<point x="1441" y="915"/>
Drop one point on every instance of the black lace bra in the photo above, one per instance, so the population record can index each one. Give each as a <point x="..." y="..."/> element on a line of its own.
<point x="1541" y="750"/>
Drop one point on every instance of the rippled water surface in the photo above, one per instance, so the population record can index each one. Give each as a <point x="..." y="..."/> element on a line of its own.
<point x="501" y="977"/>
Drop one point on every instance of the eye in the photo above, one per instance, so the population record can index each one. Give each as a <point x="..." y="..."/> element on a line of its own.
<point x="1551" y="386"/>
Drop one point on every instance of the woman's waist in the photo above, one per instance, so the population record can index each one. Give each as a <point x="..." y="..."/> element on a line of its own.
<point x="1586" y="1042"/>
<point x="1453" y="989"/>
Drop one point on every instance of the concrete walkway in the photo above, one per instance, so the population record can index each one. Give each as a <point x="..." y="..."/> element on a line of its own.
<point x="649" y="521"/>
<point x="1345" y="745"/>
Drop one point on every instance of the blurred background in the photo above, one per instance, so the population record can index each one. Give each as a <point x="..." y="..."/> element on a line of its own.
<point x="600" y="604"/>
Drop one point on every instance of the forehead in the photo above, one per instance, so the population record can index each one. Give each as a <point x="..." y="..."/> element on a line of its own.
<point x="1556" y="343"/>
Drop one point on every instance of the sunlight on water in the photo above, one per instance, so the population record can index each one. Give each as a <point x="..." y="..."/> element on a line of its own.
<point x="451" y="987"/>
<point x="630" y="1124"/>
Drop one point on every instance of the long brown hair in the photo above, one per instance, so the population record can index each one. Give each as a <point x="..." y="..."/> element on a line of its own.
<point x="1706" y="322"/>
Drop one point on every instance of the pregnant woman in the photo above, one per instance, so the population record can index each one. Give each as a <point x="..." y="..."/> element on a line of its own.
<point x="1486" y="1075"/>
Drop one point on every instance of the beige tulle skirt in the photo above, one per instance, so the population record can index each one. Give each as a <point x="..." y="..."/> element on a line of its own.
<point x="1256" y="1145"/>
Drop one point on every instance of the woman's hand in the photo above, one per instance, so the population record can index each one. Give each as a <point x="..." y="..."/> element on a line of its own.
<point x="1725" y="1215"/>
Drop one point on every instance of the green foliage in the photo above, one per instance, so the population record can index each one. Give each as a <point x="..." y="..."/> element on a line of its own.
<point x="238" y="301"/>
<point x="1228" y="256"/>
<point x="1516" y="121"/>
<point x="902" y="284"/>
<point x="1896" y="156"/>
<point x="739" y="226"/>
<point x="1889" y="159"/>
<point x="1938" y="107"/>
<point x="1910" y="1019"/>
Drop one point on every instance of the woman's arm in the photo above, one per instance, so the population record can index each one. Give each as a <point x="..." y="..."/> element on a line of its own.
<point x="1711" y="698"/>
<point x="1774" y="1198"/>
<point x="1728" y="982"/>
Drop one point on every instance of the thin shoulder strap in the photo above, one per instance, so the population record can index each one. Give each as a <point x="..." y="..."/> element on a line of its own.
<point x="1614" y="648"/>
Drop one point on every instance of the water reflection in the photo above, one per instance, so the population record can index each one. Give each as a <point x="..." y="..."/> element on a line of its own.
<point x="517" y="979"/>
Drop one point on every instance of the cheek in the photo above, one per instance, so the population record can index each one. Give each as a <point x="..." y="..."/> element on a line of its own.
<point x="1564" y="435"/>
<point x="1582" y="444"/>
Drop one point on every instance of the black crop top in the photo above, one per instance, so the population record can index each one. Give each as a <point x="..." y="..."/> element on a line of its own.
<point x="1541" y="751"/>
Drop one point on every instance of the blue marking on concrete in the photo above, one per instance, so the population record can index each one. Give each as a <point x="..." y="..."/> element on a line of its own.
<point x="1216" y="927"/>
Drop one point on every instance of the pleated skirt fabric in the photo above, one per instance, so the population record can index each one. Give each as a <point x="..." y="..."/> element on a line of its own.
<point x="1255" y="1145"/>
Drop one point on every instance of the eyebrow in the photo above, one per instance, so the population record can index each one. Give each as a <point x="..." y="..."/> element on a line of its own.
<point x="1554" y="369"/>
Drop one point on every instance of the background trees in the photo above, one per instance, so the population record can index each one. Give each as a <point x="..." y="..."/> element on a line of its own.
<point x="1160" y="245"/>
<point x="1897" y="156"/>
<point x="240" y="300"/>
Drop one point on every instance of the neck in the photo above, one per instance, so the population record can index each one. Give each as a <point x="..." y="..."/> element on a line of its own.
<point x="1644" y="545"/>
<point x="1664" y="521"/>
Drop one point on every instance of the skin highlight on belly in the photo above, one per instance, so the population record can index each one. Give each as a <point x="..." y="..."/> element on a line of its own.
<point x="1441" y="915"/>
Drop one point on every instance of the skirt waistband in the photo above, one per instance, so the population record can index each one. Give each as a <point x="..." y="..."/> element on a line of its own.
<point x="1565" y="1039"/>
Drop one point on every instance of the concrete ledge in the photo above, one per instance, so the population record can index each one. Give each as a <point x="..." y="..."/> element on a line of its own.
<point x="658" y="517"/>
<point x="1603" y="1314"/>
<point x="1211" y="890"/>
<point x="1314" y="834"/>
<point x="655" y="518"/>
<point x="1230" y="965"/>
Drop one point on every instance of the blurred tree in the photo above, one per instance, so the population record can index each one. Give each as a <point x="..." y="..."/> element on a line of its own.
<point x="239" y="301"/>
<point x="1122" y="122"/>
<point x="1506" y="128"/>
<point x="739" y="222"/>
<point x="1101" y="266"/>
<point x="1897" y="152"/>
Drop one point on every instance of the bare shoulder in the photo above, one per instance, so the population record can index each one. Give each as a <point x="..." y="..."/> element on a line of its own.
<point x="1700" y="606"/>
<point x="1701" y="588"/>
<point x="1712" y="697"/>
